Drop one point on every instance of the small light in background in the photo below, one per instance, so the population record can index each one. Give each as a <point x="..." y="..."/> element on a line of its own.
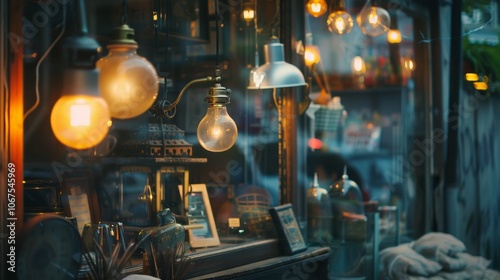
<point x="358" y="65"/>
<point x="340" y="21"/>
<point x="316" y="8"/>
<point x="409" y="64"/>
<point x="471" y="77"/>
<point x="248" y="13"/>
<point x="315" y="143"/>
<point x="394" y="36"/>
<point x="374" y="21"/>
<point x="480" y="85"/>
<point x="311" y="55"/>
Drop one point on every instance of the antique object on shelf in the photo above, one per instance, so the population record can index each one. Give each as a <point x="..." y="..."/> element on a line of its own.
<point x="348" y="210"/>
<point x="49" y="248"/>
<point x="319" y="214"/>
<point x="155" y="140"/>
<point x="199" y="212"/>
<point x="288" y="229"/>
<point x="164" y="236"/>
<point x="42" y="196"/>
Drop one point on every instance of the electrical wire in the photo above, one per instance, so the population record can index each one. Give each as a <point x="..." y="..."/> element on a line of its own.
<point x="124" y="12"/>
<point x="39" y="63"/>
<point x="216" y="34"/>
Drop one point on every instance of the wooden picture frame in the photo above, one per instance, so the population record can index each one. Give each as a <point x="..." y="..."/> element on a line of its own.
<point x="202" y="231"/>
<point x="79" y="197"/>
<point x="288" y="229"/>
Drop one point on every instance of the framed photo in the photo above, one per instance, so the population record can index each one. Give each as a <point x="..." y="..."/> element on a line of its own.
<point x="136" y="198"/>
<point x="288" y="229"/>
<point x="79" y="197"/>
<point x="202" y="231"/>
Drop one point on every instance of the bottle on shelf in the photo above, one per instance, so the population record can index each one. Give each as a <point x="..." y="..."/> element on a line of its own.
<point x="319" y="218"/>
<point x="349" y="218"/>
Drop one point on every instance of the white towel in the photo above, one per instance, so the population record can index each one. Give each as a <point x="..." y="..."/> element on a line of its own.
<point x="402" y="262"/>
<point x="442" y="248"/>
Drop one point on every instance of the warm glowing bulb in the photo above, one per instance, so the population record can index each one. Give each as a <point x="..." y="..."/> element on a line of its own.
<point x="80" y="114"/>
<point x="80" y="121"/>
<point x="394" y="36"/>
<point x="311" y="55"/>
<point x="128" y="82"/>
<point x="340" y="22"/>
<point x="374" y="21"/>
<point x="471" y="77"/>
<point x="373" y="18"/>
<point x="358" y="65"/>
<point x="480" y="85"/>
<point x="248" y="15"/>
<point x="316" y="8"/>
<point x="409" y="64"/>
<point x="217" y="132"/>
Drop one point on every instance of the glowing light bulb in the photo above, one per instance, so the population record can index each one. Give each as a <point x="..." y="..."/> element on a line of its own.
<point x="311" y="55"/>
<point x="374" y="21"/>
<point x="217" y="131"/>
<point x="394" y="36"/>
<point x="248" y="12"/>
<point x="409" y="65"/>
<point x="128" y="82"/>
<point x="80" y="121"/>
<point x="481" y="85"/>
<point x="316" y="8"/>
<point x="373" y="18"/>
<point x="471" y="77"/>
<point x="340" y="22"/>
<point x="358" y="65"/>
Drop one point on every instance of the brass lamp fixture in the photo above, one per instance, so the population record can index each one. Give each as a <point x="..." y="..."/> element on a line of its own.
<point x="128" y="82"/>
<point x="339" y="21"/>
<point x="217" y="131"/>
<point x="80" y="119"/>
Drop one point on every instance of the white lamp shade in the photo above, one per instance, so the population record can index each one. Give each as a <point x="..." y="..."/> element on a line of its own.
<point x="275" y="73"/>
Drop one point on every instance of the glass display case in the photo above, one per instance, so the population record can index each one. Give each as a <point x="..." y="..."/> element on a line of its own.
<point x="372" y="108"/>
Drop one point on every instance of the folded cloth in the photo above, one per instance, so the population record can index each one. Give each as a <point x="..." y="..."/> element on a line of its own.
<point x="442" y="248"/>
<point x="402" y="262"/>
<point x="474" y="262"/>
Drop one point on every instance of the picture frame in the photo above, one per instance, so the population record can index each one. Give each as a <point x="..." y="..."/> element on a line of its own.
<point x="288" y="229"/>
<point x="136" y="197"/>
<point x="79" y="197"/>
<point x="202" y="231"/>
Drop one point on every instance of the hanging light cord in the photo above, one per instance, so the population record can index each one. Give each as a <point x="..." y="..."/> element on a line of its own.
<point x="124" y="12"/>
<point x="256" y="26"/>
<point x="216" y="34"/>
<point x="37" y="69"/>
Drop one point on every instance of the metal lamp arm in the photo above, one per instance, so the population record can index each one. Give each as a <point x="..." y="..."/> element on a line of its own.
<point x="163" y="107"/>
